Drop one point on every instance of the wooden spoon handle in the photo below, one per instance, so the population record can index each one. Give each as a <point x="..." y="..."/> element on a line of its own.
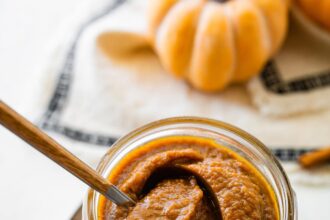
<point x="49" y="147"/>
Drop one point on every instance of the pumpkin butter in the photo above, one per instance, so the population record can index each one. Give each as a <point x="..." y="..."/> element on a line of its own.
<point x="241" y="191"/>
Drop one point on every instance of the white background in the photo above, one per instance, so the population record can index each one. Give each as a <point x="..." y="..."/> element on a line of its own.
<point x="32" y="187"/>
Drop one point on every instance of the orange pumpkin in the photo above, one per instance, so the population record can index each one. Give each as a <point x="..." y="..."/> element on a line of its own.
<point x="317" y="10"/>
<point x="215" y="43"/>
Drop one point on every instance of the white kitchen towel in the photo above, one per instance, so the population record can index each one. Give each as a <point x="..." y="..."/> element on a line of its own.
<point x="299" y="73"/>
<point x="91" y="99"/>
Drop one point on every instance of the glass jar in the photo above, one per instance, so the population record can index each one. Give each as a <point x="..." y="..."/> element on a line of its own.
<point x="227" y="135"/>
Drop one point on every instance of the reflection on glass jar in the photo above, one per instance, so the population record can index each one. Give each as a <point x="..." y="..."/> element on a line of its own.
<point x="241" y="172"/>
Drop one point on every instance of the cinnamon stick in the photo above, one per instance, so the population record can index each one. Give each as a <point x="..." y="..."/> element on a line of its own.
<point x="315" y="158"/>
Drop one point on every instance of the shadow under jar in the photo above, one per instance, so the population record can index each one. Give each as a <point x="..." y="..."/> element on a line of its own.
<point x="243" y="174"/>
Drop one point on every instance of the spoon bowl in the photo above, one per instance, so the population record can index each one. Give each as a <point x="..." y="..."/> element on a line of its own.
<point x="181" y="172"/>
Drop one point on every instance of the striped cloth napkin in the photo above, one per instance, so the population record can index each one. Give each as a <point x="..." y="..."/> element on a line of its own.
<point x="90" y="99"/>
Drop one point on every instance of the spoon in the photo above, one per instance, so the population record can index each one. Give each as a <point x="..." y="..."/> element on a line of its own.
<point x="181" y="172"/>
<point x="53" y="150"/>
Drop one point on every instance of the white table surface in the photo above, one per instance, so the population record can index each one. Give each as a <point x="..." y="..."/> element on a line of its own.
<point x="31" y="186"/>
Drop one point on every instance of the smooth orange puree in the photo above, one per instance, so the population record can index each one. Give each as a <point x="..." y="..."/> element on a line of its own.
<point x="241" y="190"/>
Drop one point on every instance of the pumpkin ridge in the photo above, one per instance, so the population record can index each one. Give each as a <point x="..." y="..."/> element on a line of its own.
<point x="189" y="64"/>
<point x="266" y="36"/>
<point x="277" y="29"/>
<point x="158" y="13"/>
<point x="211" y="72"/>
<point x="182" y="39"/>
<point x="253" y="43"/>
<point x="232" y="42"/>
<point x="198" y="20"/>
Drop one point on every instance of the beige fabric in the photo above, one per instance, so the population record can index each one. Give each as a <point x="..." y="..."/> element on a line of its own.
<point x="113" y="96"/>
<point x="128" y="91"/>
<point x="303" y="55"/>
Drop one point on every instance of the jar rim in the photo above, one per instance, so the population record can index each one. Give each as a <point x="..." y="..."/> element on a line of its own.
<point x="201" y="121"/>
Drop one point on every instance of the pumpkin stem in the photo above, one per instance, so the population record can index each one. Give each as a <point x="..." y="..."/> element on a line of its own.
<point x="220" y="1"/>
